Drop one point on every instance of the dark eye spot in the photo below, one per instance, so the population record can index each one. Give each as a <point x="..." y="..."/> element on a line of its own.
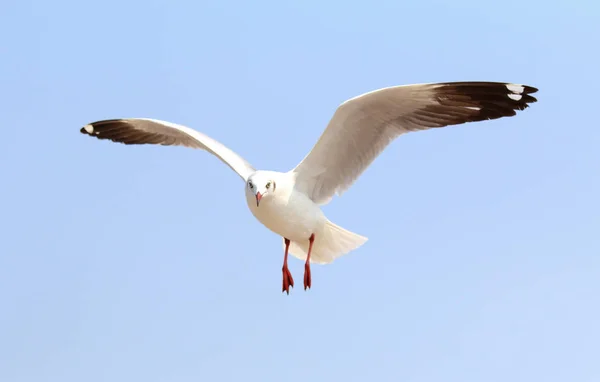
<point x="268" y="185"/>
<point x="250" y="184"/>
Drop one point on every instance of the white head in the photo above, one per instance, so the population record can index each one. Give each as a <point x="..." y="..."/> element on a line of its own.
<point x="261" y="184"/>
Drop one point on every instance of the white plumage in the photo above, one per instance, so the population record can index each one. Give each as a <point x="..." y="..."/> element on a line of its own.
<point x="360" y="129"/>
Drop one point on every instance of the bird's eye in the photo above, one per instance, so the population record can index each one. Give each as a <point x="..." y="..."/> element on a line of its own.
<point x="250" y="184"/>
<point x="268" y="185"/>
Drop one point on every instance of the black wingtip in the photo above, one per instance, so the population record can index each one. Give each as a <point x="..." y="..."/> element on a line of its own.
<point x="88" y="129"/>
<point x="529" y="89"/>
<point x="492" y="99"/>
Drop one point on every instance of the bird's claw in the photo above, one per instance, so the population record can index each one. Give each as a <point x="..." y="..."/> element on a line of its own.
<point x="307" y="278"/>
<point x="288" y="280"/>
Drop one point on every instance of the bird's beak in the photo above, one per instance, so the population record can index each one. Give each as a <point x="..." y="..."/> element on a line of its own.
<point x="258" y="198"/>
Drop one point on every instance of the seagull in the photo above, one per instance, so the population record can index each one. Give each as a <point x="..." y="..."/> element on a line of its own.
<point x="289" y="203"/>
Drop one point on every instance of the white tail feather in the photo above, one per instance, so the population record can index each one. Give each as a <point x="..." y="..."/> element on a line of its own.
<point x="330" y="244"/>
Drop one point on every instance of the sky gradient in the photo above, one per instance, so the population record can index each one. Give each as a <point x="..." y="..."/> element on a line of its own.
<point x="126" y="263"/>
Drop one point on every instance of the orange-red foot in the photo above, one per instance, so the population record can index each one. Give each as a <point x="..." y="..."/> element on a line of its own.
<point x="288" y="280"/>
<point x="307" y="278"/>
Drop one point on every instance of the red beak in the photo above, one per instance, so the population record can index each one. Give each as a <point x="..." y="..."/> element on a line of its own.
<point x="258" y="198"/>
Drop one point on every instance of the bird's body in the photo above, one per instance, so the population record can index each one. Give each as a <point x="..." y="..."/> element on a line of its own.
<point x="290" y="213"/>
<point x="288" y="203"/>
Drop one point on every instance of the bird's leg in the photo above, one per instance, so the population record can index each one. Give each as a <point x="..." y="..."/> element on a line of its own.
<point x="307" y="278"/>
<point x="287" y="275"/>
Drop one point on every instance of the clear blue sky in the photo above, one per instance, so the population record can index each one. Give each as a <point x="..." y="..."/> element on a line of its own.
<point x="122" y="263"/>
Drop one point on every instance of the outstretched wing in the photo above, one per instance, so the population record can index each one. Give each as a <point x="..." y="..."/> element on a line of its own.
<point x="362" y="127"/>
<point x="137" y="131"/>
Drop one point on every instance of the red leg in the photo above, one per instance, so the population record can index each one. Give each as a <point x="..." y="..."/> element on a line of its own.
<point x="307" y="278"/>
<point x="288" y="281"/>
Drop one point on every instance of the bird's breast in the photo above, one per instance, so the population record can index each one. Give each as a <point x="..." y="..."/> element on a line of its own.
<point x="291" y="215"/>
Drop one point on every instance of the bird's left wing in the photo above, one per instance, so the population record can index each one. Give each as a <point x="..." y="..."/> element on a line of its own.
<point x="132" y="131"/>
<point x="362" y="127"/>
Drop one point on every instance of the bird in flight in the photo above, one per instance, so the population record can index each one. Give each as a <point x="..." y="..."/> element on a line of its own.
<point x="288" y="203"/>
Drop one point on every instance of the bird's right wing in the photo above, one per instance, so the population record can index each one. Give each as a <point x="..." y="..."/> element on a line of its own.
<point x="132" y="131"/>
<point x="362" y="127"/>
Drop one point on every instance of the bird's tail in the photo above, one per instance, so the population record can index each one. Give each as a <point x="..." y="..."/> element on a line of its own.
<point x="333" y="242"/>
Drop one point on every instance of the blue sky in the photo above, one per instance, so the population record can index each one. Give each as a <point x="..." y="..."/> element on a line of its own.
<point x="121" y="263"/>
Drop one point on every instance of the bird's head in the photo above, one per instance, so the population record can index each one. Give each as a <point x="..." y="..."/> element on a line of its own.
<point x="261" y="185"/>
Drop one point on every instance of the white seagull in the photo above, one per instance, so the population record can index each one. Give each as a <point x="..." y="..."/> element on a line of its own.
<point x="288" y="203"/>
